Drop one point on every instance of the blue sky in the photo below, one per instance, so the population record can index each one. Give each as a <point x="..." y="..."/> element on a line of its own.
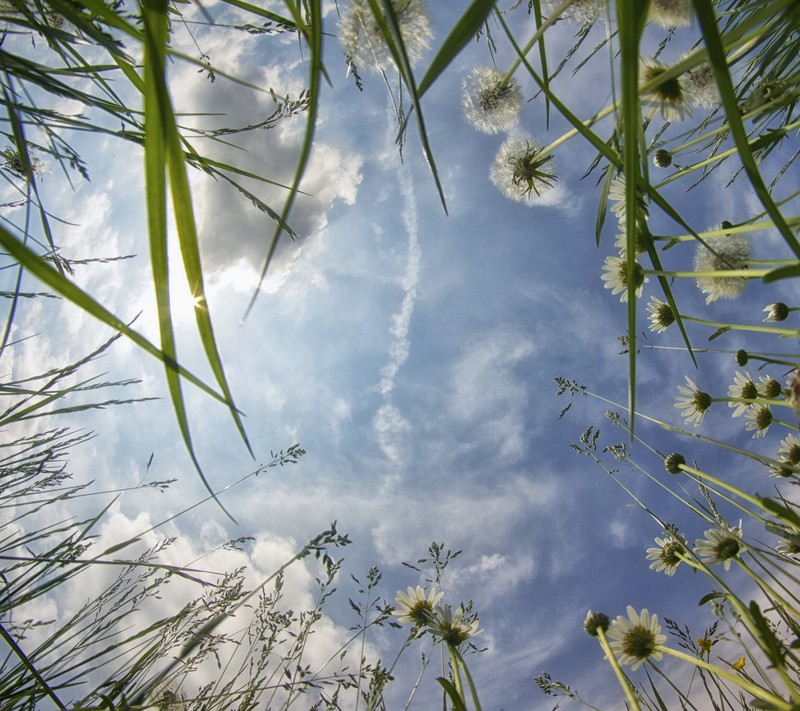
<point x="412" y="354"/>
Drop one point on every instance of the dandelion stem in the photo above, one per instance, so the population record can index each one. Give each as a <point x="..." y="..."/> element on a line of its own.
<point x="776" y="701"/>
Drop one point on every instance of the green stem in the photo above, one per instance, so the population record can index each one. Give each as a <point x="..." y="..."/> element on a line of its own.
<point x="473" y="692"/>
<point x="456" y="672"/>
<point x="621" y="678"/>
<point x="757" y="691"/>
<point x="785" y="332"/>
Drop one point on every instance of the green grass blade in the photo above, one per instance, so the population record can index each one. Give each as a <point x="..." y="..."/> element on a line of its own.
<point x="631" y="16"/>
<point x="387" y="21"/>
<point x="463" y="32"/>
<point x="156" y="145"/>
<point x="716" y="54"/>
<point x="39" y="268"/>
<point x="314" y="36"/>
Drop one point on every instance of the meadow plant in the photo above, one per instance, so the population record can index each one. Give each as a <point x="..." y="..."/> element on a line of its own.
<point x="723" y="108"/>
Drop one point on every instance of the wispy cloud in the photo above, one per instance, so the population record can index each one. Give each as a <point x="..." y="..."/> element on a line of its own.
<point x="389" y="424"/>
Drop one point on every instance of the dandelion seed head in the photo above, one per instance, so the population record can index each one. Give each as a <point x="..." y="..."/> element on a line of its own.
<point x="520" y="170"/>
<point x="489" y="105"/>
<point x="363" y="42"/>
<point x="702" y="86"/>
<point x="581" y="10"/>
<point x="730" y="253"/>
<point x="671" y="13"/>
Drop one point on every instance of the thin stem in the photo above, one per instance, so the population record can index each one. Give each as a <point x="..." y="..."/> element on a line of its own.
<point x="757" y="691"/>
<point x="621" y="678"/>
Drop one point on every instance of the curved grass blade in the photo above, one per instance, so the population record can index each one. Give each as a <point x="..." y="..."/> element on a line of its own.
<point x="716" y="55"/>
<point x="314" y="36"/>
<point x="464" y="30"/>
<point x="158" y="149"/>
<point x="387" y="21"/>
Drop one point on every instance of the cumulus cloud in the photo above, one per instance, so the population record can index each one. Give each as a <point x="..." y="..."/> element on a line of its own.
<point x="209" y="559"/>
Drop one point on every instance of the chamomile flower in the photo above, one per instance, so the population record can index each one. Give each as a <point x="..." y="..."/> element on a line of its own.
<point x="616" y="196"/>
<point x="666" y="555"/>
<point x="759" y="418"/>
<point x="789" y="456"/>
<point x="364" y="43"/>
<point x="489" y="104"/>
<point x="793" y="392"/>
<point x="670" y="97"/>
<point x="621" y="243"/>
<point x="769" y="387"/>
<point x="635" y="639"/>
<point x="662" y="158"/>
<point x="776" y="312"/>
<point x="451" y="627"/>
<point x="661" y="316"/>
<point x="789" y="545"/>
<point x="692" y="402"/>
<point x="730" y="252"/>
<point x="615" y="276"/>
<point x="521" y="171"/>
<point x="414" y="607"/>
<point x="671" y="13"/>
<point x="720" y="545"/>
<point x="742" y="387"/>
<point x="595" y="621"/>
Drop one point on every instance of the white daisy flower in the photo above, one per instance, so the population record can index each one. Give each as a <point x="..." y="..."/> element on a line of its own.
<point x="720" y="545"/>
<point x="661" y="316"/>
<point x="789" y="456"/>
<point x="671" y="97"/>
<point x="414" y="607"/>
<point x="692" y="402"/>
<point x="758" y="418"/>
<point x="666" y="554"/>
<point x="636" y="639"/>
<point x="776" y="312"/>
<point x="615" y="276"/>
<point x="742" y="387"/>
<point x="451" y="627"/>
